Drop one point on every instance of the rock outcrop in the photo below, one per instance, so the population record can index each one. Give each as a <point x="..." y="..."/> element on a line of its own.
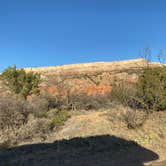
<point x="90" y="78"/>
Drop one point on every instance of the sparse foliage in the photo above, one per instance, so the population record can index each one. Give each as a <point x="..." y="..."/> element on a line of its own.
<point x="12" y="113"/>
<point x="134" y="118"/>
<point x="22" y="120"/>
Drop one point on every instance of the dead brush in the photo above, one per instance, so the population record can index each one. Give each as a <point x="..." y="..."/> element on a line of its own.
<point x="134" y="118"/>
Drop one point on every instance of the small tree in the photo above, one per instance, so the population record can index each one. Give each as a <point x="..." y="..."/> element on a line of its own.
<point x="151" y="89"/>
<point x="20" y="82"/>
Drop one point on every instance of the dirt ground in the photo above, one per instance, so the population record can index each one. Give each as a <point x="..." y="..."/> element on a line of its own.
<point x="96" y="138"/>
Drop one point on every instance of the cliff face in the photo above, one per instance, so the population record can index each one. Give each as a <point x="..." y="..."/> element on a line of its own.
<point x="90" y="78"/>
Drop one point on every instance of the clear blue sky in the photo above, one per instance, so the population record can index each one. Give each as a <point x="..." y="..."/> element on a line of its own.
<point x="56" y="32"/>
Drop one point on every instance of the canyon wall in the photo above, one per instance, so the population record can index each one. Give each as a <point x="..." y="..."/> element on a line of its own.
<point x="89" y="78"/>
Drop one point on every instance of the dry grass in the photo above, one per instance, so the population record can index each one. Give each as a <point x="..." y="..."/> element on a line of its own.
<point x="151" y="134"/>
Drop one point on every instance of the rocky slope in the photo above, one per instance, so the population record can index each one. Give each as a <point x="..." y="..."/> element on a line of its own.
<point x="90" y="78"/>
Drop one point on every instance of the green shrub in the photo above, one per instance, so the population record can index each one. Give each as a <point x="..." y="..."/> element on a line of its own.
<point x="58" y="118"/>
<point x="43" y="114"/>
<point x="20" y="82"/>
<point x="151" y="89"/>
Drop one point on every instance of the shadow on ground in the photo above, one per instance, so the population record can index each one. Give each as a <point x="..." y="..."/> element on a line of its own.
<point x="90" y="151"/>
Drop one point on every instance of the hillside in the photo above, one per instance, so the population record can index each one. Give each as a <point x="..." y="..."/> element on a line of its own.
<point x="89" y="78"/>
<point x="82" y="126"/>
<point x="85" y="68"/>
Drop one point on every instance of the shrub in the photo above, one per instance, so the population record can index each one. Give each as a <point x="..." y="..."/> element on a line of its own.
<point x="83" y="101"/>
<point x="58" y="118"/>
<point x="13" y="114"/>
<point x="75" y="102"/>
<point x="36" y="128"/>
<point x="53" y="101"/>
<point x="39" y="106"/>
<point x="134" y="118"/>
<point x="20" y="82"/>
<point x="151" y="89"/>
<point x="123" y="94"/>
<point x="22" y="120"/>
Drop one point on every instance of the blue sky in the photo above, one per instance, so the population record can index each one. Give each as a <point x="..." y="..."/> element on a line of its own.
<point x="55" y="32"/>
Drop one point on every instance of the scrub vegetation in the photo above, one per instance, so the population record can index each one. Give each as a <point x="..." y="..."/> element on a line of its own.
<point x="28" y="115"/>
